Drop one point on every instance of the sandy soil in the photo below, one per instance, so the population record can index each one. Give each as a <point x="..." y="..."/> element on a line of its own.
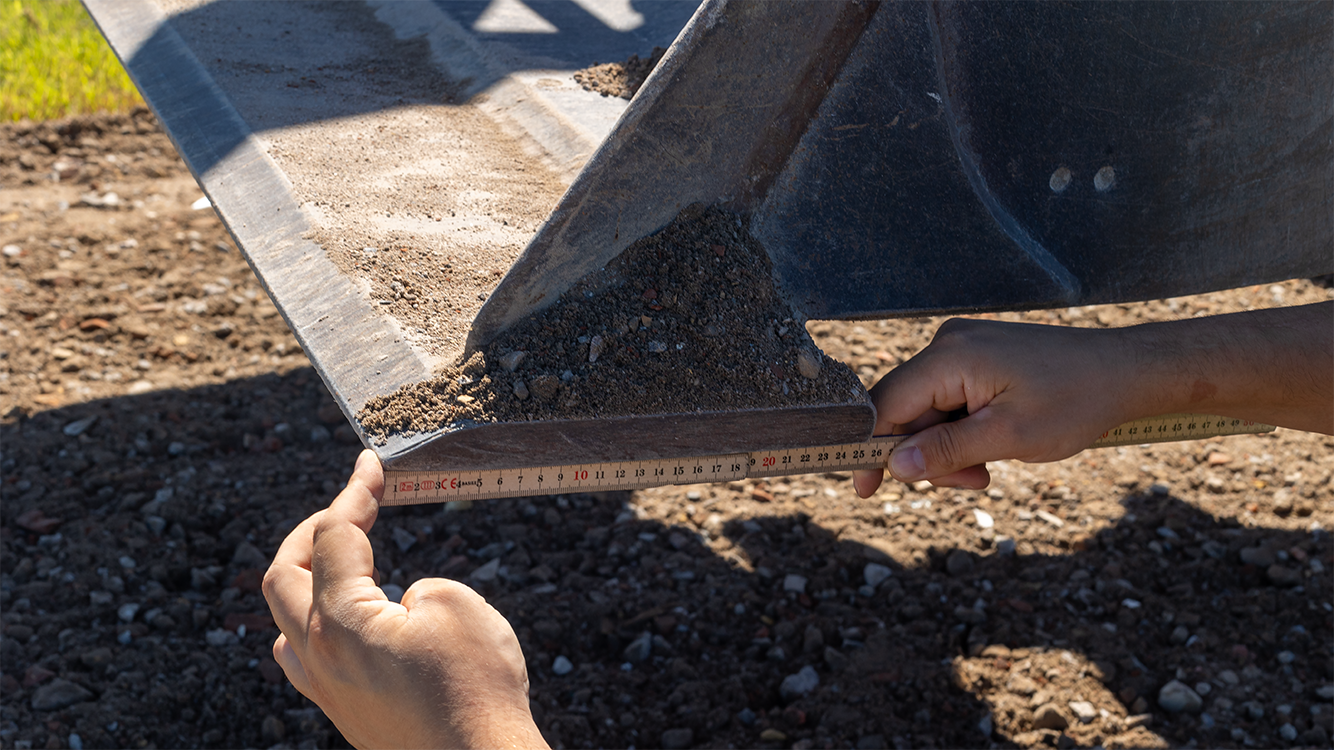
<point x="161" y="433"/>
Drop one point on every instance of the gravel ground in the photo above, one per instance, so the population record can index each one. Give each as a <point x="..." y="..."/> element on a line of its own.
<point x="162" y="431"/>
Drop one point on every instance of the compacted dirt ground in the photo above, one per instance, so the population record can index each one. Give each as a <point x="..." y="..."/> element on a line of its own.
<point x="162" y="431"/>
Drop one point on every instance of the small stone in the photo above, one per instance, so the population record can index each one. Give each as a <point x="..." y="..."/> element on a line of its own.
<point x="796" y="685"/>
<point x="1005" y="546"/>
<point x="1288" y="732"/>
<point x="126" y="612"/>
<point x="656" y="347"/>
<point x="37" y="522"/>
<point x="98" y="657"/>
<point x="1084" y="711"/>
<point x="1286" y="657"/>
<point x="464" y="399"/>
<point x="984" y="519"/>
<point x="1177" y="697"/>
<point x="772" y="735"/>
<point x="75" y="741"/>
<point x="970" y="615"/>
<point x="1260" y="557"/>
<point x="403" y="538"/>
<point x="595" y="347"/>
<point x="1254" y="709"/>
<point x="834" y="659"/>
<point x="562" y="666"/>
<point x="1049" y="716"/>
<point x="487" y="572"/>
<point x="1281" y="575"/>
<point x="544" y="387"/>
<point x="59" y="693"/>
<point x="520" y="390"/>
<point x="875" y="573"/>
<point x="1179" y="635"/>
<point x="677" y="739"/>
<point x="248" y="555"/>
<point x="813" y="640"/>
<point x="1050" y="518"/>
<point x="77" y="428"/>
<point x="1219" y="458"/>
<point x="640" y="648"/>
<point x="220" y="637"/>
<point x="12" y="251"/>
<point x="512" y="360"/>
<point x="273" y="729"/>
<point x="959" y="563"/>
<point x="795" y="583"/>
<point x="808" y="363"/>
<point x="1325" y="691"/>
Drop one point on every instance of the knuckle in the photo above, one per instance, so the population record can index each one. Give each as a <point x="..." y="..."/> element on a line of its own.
<point x="270" y="583"/>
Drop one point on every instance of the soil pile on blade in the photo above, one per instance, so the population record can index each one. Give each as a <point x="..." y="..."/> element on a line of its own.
<point x="619" y="79"/>
<point x="687" y="320"/>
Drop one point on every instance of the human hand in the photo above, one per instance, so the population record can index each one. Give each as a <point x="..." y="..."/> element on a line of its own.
<point x="441" y="669"/>
<point x="1032" y="392"/>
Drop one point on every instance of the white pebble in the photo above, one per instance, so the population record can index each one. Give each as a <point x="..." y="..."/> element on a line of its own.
<point x="795" y="583"/>
<point x="127" y="562"/>
<point x="562" y="666"/>
<point x="12" y="251"/>
<point x="77" y="428"/>
<point x="220" y="637"/>
<point x="127" y="612"/>
<point x="984" y="519"/>
<point x="1176" y="697"/>
<point x="1084" y="711"/>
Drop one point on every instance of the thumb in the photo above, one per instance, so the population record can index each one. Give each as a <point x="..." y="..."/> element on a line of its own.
<point x="952" y="451"/>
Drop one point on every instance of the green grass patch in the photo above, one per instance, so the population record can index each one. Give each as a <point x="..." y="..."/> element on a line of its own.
<point x="54" y="63"/>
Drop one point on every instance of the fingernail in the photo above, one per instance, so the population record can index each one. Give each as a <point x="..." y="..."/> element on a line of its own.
<point x="907" y="463"/>
<point x="362" y="458"/>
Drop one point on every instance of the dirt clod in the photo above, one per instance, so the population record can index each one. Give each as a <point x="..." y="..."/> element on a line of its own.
<point x="619" y="79"/>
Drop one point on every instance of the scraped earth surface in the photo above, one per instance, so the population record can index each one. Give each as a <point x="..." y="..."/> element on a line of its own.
<point x="162" y="432"/>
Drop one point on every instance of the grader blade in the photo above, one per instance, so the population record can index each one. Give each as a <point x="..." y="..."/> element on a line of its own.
<point x="892" y="158"/>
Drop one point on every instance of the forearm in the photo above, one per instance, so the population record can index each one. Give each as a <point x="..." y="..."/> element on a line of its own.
<point x="1272" y="366"/>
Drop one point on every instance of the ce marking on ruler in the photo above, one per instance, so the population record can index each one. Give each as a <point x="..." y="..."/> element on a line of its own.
<point x="408" y="488"/>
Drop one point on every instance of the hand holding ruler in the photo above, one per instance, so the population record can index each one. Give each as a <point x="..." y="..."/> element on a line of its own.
<point x="414" y="487"/>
